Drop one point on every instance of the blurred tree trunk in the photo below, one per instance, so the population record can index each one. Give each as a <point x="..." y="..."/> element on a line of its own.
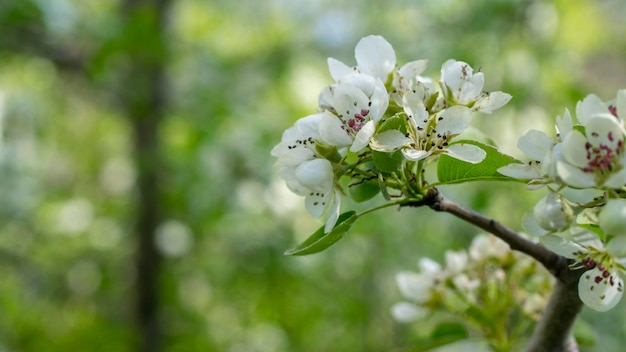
<point x="144" y="93"/>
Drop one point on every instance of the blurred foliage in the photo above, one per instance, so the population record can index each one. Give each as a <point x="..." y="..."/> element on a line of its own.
<point x="239" y="73"/>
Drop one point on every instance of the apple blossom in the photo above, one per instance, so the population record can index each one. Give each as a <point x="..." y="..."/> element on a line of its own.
<point x="355" y="105"/>
<point x="304" y="172"/>
<point x="464" y="87"/>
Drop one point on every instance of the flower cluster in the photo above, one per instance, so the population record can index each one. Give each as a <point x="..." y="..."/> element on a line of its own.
<point x="583" y="215"/>
<point x="477" y="285"/>
<point x="376" y="106"/>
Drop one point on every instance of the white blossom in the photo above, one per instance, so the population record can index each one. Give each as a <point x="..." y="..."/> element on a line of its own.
<point x="463" y="86"/>
<point x="595" y="157"/>
<point x="305" y="172"/>
<point x="353" y="108"/>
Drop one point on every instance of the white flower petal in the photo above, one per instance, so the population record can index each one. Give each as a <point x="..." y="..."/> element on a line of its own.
<point x="316" y="203"/>
<point x="290" y="153"/>
<point x="562" y="246"/>
<point x="455" y="261"/>
<point x="490" y="102"/>
<point x="333" y="214"/>
<point x="574" y="149"/>
<point x="411" y="70"/>
<point x="617" y="247"/>
<point x="520" y="171"/>
<point x="289" y="175"/>
<point x="617" y="180"/>
<point x="363" y="137"/>
<point x="338" y="69"/>
<point x="535" y="144"/>
<point x="598" y="292"/>
<point x="405" y="312"/>
<point x="332" y="131"/>
<point x="463" y="84"/>
<point x="348" y="100"/>
<point x="454" y="120"/>
<point x="564" y="124"/>
<point x="466" y="152"/>
<point x="364" y="82"/>
<point x="620" y="101"/>
<point x="429" y="267"/>
<point x="415" y="109"/>
<point x="574" y="176"/>
<point x="531" y="226"/>
<point x="414" y="154"/>
<point x="379" y="101"/>
<point x="486" y="246"/>
<point x="317" y="175"/>
<point x="612" y="217"/>
<point x="604" y="129"/>
<point x="309" y="125"/>
<point x="375" y="56"/>
<point x="589" y="107"/>
<point x="389" y="141"/>
<point x="325" y="98"/>
<point x="414" y="286"/>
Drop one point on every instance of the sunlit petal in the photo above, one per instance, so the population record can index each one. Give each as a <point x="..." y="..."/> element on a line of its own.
<point x="466" y="152"/>
<point x="375" y="56"/>
<point x="363" y="137"/>
<point x="535" y="144"/>
<point x="599" y="291"/>
<point x="389" y="141"/>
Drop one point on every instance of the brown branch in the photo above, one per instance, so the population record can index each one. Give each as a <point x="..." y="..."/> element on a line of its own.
<point x="554" y="331"/>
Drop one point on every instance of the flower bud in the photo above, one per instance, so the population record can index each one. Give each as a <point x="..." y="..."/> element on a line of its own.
<point x="612" y="217"/>
<point x="552" y="213"/>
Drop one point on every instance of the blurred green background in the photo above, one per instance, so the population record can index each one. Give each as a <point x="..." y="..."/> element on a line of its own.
<point x="140" y="209"/>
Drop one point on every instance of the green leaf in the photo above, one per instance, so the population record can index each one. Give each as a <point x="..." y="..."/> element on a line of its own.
<point x="388" y="162"/>
<point x="594" y="228"/>
<point x="451" y="170"/>
<point x="319" y="241"/>
<point x="364" y="191"/>
<point x="445" y="333"/>
<point x="393" y="123"/>
<point x="450" y="331"/>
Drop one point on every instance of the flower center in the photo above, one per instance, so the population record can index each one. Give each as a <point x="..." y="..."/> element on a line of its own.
<point x="355" y="122"/>
<point x="602" y="158"/>
<point x="604" y="273"/>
